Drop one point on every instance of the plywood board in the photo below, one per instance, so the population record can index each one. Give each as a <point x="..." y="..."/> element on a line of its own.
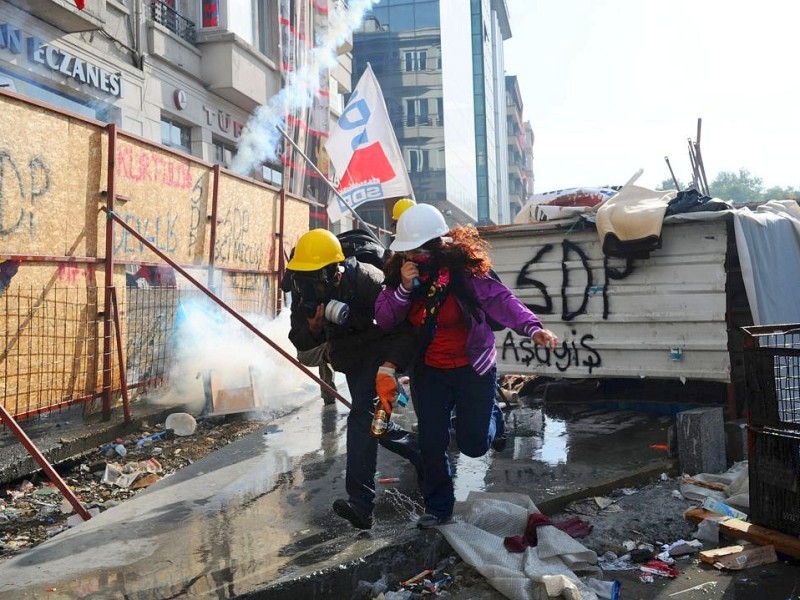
<point x="664" y="316"/>
<point x="245" y="224"/>
<point x="49" y="181"/>
<point x="165" y="200"/>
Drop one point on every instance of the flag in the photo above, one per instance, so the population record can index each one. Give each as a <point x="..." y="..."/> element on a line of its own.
<point x="79" y="4"/>
<point x="364" y="151"/>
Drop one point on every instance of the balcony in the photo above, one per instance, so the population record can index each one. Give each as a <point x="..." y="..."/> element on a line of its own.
<point x="64" y="14"/>
<point x="166" y="15"/>
<point x="168" y="37"/>
<point x="236" y="71"/>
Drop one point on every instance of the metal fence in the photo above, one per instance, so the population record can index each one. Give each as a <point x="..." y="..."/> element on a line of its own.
<point x="50" y="354"/>
<point x="52" y="345"/>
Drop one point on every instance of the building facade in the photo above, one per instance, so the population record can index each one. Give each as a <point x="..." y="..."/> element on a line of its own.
<point x="184" y="73"/>
<point x="515" y="131"/>
<point x="437" y="64"/>
<point x="528" y="154"/>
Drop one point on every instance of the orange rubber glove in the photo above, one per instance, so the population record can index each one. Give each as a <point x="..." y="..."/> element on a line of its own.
<point x="386" y="386"/>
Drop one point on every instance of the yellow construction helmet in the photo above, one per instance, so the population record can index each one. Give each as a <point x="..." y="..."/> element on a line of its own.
<point x="316" y="249"/>
<point x="400" y="207"/>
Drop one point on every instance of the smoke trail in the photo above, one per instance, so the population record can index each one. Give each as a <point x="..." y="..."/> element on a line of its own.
<point x="260" y="138"/>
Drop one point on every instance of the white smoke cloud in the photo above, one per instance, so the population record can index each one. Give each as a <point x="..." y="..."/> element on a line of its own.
<point x="260" y="139"/>
<point x="208" y="339"/>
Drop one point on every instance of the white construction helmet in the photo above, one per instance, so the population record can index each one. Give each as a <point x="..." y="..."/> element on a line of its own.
<point x="417" y="225"/>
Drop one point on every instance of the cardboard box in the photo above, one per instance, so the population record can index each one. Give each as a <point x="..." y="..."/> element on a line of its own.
<point x="736" y="558"/>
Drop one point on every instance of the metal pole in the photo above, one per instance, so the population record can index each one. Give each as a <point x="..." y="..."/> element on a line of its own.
<point x="109" y="275"/>
<point x="330" y="185"/>
<point x="213" y="236"/>
<point x="671" y="172"/>
<point x="123" y="378"/>
<point x="51" y="473"/>
<point x="280" y="236"/>
<point x="695" y="173"/>
<point x="111" y="215"/>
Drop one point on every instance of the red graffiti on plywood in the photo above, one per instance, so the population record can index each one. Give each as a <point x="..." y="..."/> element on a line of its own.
<point x="137" y="164"/>
<point x="70" y="273"/>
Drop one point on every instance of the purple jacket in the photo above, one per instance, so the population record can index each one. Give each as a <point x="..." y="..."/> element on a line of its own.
<point x="496" y="300"/>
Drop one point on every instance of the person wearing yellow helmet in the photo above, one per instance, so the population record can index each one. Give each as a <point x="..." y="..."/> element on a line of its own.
<point x="398" y="209"/>
<point x="332" y="321"/>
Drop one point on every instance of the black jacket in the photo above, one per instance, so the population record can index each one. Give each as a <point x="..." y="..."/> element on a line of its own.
<point x="359" y="341"/>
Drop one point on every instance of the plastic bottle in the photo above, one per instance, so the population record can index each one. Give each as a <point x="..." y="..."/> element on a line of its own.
<point x="609" y="590"/>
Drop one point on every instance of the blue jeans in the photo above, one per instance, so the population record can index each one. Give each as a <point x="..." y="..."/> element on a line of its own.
<point x="362" y="448"/>
<point x="436" y="393"/>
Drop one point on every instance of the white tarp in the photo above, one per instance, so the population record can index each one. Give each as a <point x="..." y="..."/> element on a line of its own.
<point x="768" y="241"/>
<point x="547" y="570"/>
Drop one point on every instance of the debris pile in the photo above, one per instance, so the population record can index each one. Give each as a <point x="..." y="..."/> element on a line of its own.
<point x="33" y="510"/>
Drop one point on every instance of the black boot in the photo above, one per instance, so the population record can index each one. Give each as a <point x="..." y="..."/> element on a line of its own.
<point x="357" y="517"/>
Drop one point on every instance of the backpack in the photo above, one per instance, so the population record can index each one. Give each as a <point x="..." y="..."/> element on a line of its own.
<point x="361" y="245"/>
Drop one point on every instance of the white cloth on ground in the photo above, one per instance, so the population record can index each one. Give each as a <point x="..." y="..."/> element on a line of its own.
<point x="482" y="522"/>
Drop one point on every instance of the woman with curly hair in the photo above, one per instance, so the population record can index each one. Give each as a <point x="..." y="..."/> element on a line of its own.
<point x="440" y="282"/>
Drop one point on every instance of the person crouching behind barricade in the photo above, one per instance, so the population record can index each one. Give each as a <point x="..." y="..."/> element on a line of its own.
<point x="332" y="320"/>
<point x="439" y="281"/>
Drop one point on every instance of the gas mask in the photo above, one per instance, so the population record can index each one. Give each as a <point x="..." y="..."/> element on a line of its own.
<point x="313" y="288"/>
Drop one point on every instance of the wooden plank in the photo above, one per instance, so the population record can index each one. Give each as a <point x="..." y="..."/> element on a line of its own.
<point x="711" y="485"/>
<point x="741" y="530"/>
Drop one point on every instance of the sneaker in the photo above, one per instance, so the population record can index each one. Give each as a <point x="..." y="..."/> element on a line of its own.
<point x="356" y="517"/>
<point x="427" y="521"/>
<point x="499" y="443"/>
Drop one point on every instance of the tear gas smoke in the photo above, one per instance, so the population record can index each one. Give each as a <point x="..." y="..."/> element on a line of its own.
<point x="206" y="339"/>
<point x="260" y="138"/>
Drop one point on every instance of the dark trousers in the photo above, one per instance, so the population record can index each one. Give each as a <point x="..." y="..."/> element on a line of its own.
<point x="362" y="448"/>
<point x="479" y="420"/>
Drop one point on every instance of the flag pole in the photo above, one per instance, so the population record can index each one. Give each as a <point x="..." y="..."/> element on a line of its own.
<point x="330" y="185"/>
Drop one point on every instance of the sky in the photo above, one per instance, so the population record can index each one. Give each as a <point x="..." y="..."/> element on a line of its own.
<point x="612" y="86"/>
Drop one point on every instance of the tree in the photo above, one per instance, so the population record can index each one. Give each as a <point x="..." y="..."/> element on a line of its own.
<point x="776" y="192"/>
<point x="739" y="187"/>
<point x="669" y="184"/>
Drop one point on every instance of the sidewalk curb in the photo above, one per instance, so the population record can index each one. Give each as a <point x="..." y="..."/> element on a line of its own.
<point x="23" y="465"/>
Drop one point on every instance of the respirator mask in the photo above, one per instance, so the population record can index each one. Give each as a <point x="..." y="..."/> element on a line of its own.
<point x="313" y="288"/>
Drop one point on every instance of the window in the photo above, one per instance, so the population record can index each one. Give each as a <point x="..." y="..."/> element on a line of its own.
<point x="418" y="161"/>
<point x="272" y="174"/>
<point x="411" y="112"/>
<point x="417" y="112"/>
<point x="223" y="152"/>
<point x="240" y="21"/>
<point x="440" y="111"/>
<point x="423" y="111"/>
<point x="416" y="61"/>
<point x="176" y="135"/>
<point x="267" y="25"/>
<point x="210" y="13"/>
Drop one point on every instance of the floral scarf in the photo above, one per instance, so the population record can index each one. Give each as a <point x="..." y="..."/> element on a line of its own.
<point x="434" y="297"/>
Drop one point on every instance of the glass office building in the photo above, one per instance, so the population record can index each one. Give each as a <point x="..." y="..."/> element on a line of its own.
<point x="436" y="64"/>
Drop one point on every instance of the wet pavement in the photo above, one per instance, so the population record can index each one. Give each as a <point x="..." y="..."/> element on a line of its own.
<point x="254" y="518"/>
